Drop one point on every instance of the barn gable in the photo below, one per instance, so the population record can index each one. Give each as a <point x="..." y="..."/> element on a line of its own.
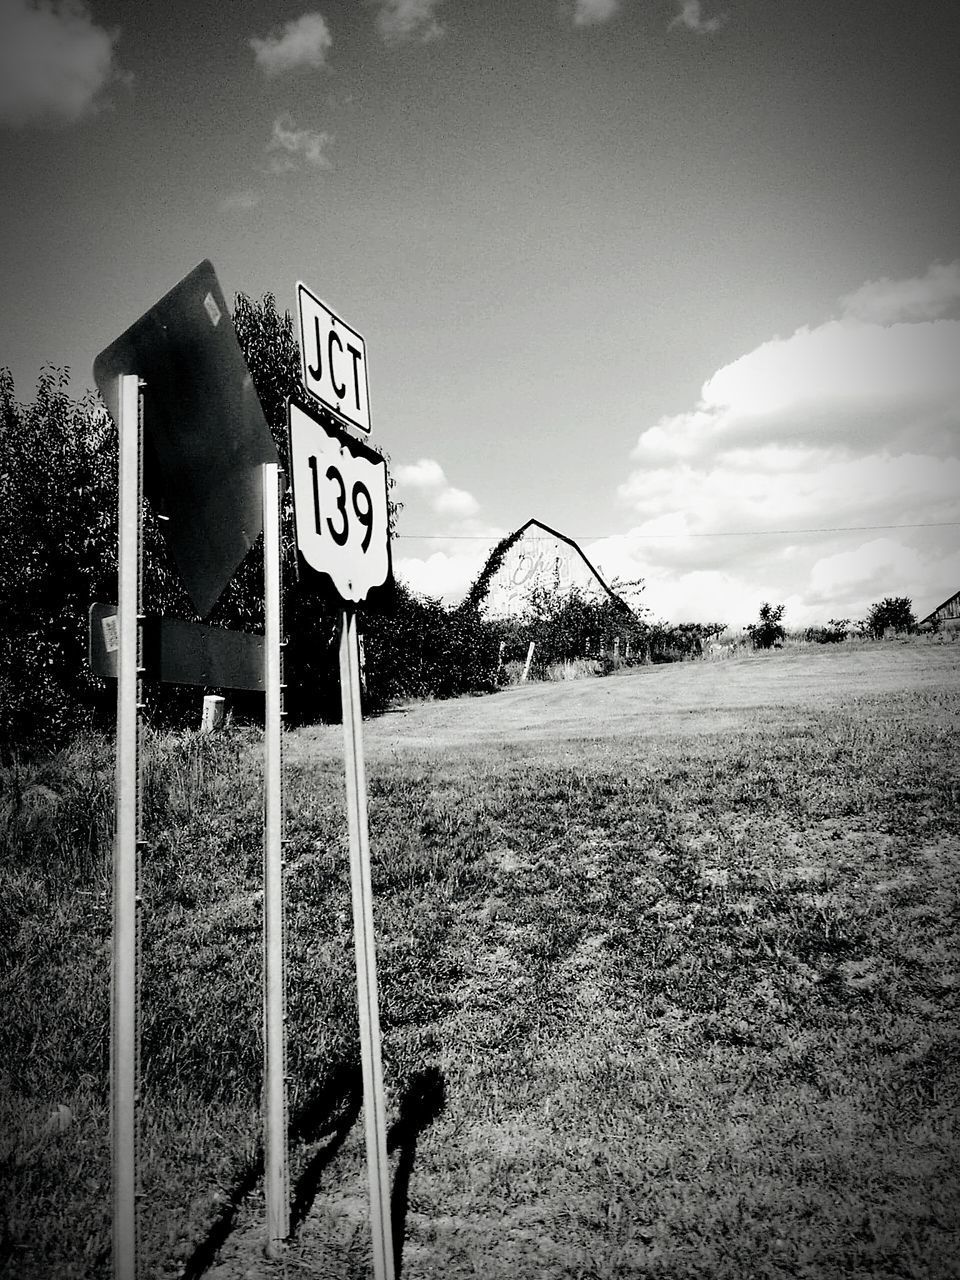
<point x="947" y="614"/>
<point x="540" y="557"/>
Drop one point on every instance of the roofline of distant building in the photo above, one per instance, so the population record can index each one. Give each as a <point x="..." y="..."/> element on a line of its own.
<point x="933" y="613"/>
<point x="555" y="533"/>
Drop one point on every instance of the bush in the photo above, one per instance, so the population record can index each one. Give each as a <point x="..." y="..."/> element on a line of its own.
<point x="416" y="648"/>
<point x="768" y="631"/>
<point x="895" y="612"/>
<point x="833" y="633"/>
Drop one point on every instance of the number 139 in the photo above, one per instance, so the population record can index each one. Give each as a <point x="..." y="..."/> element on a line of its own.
<point x="360" y="500"/>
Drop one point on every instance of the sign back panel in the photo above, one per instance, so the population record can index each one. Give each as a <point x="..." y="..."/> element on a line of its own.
<point x="205" y="436"/>
<point x="177" y="652"/>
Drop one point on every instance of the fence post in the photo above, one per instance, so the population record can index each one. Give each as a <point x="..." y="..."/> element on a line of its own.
<point x="214" y="712"/>
<point x="526" y="668"/>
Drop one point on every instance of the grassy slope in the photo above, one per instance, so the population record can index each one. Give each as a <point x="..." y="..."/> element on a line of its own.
<point x="668" y="977"/>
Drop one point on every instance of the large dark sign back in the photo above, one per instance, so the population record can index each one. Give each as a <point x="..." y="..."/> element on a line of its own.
<point x="205" y="436"/>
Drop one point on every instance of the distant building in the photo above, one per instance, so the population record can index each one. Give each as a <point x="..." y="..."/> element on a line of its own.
<point x="947" y="614"/>
<point x="539" y="556"/>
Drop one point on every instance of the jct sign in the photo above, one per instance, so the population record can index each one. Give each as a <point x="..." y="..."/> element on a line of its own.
<point x="340" y="505"/>
<point x="334" y="360"/>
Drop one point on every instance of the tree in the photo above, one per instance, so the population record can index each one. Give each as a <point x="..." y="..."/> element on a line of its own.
<point x="58" y="533"/>
<point x="58" y="512"/>
<point x="891" y="611"/>
<point x="768" y="632"/>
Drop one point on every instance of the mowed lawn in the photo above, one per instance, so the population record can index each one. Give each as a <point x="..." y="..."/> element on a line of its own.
<point x="669" y="968"/>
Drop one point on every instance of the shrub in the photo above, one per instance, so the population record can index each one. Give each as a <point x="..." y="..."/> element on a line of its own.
<point x="768" y="631"/>
<point x="833" y="633"/>
<point x="895" y="612"/>
<point x="415" y="648"/>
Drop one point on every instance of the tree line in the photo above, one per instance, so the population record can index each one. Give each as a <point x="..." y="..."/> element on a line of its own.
<point x="58" y="512"/>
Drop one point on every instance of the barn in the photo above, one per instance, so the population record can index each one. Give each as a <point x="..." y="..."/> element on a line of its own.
<point x="946" y="614"/>
<point x="536" y="556"/>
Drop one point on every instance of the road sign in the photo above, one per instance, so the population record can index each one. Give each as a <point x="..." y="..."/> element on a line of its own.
<point x="333" y="359"/>
<point x="340" y="504"/>
<point x="176" y="652"/>
<point x="205" y="436"/>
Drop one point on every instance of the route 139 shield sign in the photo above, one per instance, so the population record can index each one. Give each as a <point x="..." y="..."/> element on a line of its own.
<point x="340" y="505"/>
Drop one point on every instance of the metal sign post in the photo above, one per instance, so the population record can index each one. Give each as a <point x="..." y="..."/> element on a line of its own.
<point x="212" y="472"/>
<point x="123" y="1011"/>
<point x="342" y="517"/>
<point x="274" y="1039"/>
<point x="374" y="1112"/>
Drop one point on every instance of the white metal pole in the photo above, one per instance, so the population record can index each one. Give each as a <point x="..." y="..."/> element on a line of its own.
<point x="274" y="1038"/>
<point x="123" y="1013"/>
<point x="378" y="1169"/>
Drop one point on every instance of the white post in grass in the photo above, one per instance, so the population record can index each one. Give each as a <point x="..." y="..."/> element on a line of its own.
<point x="374" y="1111"/>
<point x="274" y="1039"/>
<point x="123" y="1011"/>
<point x="526" y="665"/>
<point x="214" y="713"/>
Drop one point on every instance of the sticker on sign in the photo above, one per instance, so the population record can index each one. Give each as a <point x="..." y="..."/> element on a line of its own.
<point x="333" y="361"/>
<point x="339" y="504"/>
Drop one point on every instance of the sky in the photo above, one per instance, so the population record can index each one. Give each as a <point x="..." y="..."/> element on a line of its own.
<point x="677" y="278"/>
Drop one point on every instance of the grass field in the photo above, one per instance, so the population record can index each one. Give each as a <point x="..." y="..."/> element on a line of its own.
<point x="669" y="964"/>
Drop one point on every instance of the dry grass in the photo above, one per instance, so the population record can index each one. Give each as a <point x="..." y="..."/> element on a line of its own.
<point x="669" y="973"/>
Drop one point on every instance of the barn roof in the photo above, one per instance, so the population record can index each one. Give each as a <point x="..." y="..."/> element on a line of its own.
<point x="950" y="608"/>
<point x="562" y="537"/>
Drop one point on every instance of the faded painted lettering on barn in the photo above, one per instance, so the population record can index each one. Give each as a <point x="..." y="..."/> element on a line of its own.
<point x="545" y="559"/>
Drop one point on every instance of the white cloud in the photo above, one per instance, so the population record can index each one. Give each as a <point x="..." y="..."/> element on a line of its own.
<point x="444" y="574"/>
<point x="870" y="569"/>
<point x="400" y="20"/>
<point x="456" y="502"/>
<point x="837" y="385"/>
<point x="845" y="424"/>
<point x="55" y="62"/>
<point x="424" y="474"/>
<point x="302" y="42"/>
<point x="924" y="297"/>
<point x="691" y="17"/>
<point x="459" y="544"/>
<point x="427" y="477"/>
<point x="588" y="13"/>
<point x="289" y="146"/>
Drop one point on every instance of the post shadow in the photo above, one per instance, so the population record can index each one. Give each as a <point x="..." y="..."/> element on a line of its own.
<point x="334" y="1108"/>
<point x="340" y="1096"/>
<point x="334" y="1105"/>
<point x="423" y="1100"/>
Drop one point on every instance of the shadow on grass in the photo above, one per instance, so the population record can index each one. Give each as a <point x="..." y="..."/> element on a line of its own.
<point x="423" y="1100"/>
<point x="334" y="1108"/>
